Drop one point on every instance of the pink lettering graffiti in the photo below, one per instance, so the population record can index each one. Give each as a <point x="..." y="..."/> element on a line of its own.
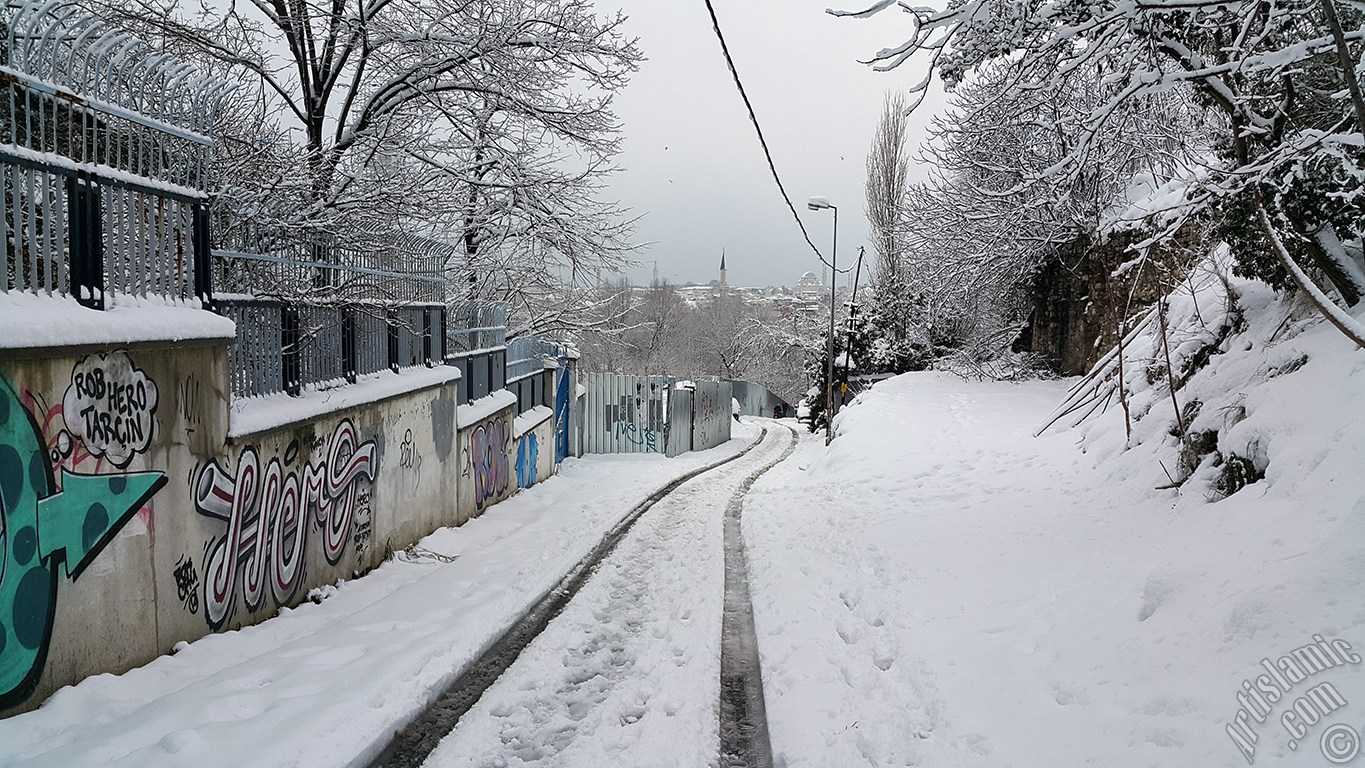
<point x="268" y="520"/>
<point x="488" y="458"/>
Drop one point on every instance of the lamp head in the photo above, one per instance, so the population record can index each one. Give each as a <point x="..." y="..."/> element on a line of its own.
<point x="819" y="203"/>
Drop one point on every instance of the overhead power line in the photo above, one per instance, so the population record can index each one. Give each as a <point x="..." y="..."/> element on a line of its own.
<point x="767" y="153"/>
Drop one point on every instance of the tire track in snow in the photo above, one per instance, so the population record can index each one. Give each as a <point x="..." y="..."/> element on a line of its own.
<point x="744" y="741"/>
<point x="411" y="746"/>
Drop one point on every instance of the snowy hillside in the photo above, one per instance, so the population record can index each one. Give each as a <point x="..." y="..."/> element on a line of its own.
<point x="943" y="588"/>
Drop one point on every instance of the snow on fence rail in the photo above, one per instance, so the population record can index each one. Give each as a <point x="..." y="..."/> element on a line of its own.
<point x="103" y="160"/>
<point x="527" y="359"/>
<point x="527" y="355"/>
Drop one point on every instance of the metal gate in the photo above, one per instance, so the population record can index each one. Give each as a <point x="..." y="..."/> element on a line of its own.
<point x="625" y="414"/>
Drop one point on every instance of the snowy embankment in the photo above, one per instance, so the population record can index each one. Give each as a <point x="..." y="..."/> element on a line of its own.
<point x="940" y="588"/>
<point x="327" y="684"/>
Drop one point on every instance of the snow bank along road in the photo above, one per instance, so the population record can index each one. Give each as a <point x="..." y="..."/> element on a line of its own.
<point x="939" y="588"/>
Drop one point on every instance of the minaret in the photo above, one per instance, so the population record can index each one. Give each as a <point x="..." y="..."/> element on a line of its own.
<point x="723" y="284"/>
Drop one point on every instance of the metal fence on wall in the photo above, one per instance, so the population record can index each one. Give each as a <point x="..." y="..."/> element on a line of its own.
<point x="390" y="268"/>
<point x="476" y="338"/>
<point x="284" y="347"/>
<point x="312" y="312"/>
<point x="528" y="359"/>
<point x="103" y="161"/>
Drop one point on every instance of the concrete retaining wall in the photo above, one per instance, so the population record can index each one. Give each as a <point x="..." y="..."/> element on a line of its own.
<point x="487" y="453"/>
<point x="132" y="521"/>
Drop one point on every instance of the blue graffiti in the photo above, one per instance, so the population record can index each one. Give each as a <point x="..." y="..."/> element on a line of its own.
<point x="634" y="434"/>
<point x="528" y="451"/>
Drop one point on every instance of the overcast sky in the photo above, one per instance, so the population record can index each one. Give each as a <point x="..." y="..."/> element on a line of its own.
<point x="693" y="167"/>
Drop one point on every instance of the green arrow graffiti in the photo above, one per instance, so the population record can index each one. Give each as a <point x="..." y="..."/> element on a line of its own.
<point x="45" y="533"/>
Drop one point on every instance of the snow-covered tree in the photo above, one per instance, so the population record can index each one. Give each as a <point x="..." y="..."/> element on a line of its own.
<point x="892" y="307"/>
<point x="483" y="123"/>
<point x="993" y="212"/>
<point x="1282" y="80"/>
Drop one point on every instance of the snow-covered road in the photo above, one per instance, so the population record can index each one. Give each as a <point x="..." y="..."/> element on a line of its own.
<point x="629" y="673"/>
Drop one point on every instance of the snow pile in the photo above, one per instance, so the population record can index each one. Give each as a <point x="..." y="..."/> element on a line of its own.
<point x="939" y="587"/>
<point x="1262" y="387"/>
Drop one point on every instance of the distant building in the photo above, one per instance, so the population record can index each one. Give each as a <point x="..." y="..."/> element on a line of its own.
<point x="809" y="288"/>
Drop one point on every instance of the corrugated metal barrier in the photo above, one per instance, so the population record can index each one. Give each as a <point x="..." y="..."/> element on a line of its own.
<point x="711" y="414"/>
<point x="624" y="413"/>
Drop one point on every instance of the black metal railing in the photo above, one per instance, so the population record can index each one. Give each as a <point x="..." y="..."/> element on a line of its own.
<point x="292" y="348"/>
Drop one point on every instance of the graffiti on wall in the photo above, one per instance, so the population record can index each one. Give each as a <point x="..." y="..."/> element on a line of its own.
<point x="710" y="422"/>
<point x="110" y="406"/>
<point x="363" y="525"/>
<point x="488" y="444"/>
<point x="187" y="584"/>
<point x="270" y="511"/>
<point x="634" y="434"/>
<point x="65" y="452"/>
<point x="191" y="404"/>
<point x="53" y="523"/>
<point x="410" y="460"/>
<point x="528" y="452"/>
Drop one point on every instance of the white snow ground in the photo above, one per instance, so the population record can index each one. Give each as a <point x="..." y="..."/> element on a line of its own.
<point x="939" y="588"/>
<point x="326" y="685"/>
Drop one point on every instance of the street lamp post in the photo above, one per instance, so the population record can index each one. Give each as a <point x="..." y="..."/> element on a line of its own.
<point x="820" y="204"/>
